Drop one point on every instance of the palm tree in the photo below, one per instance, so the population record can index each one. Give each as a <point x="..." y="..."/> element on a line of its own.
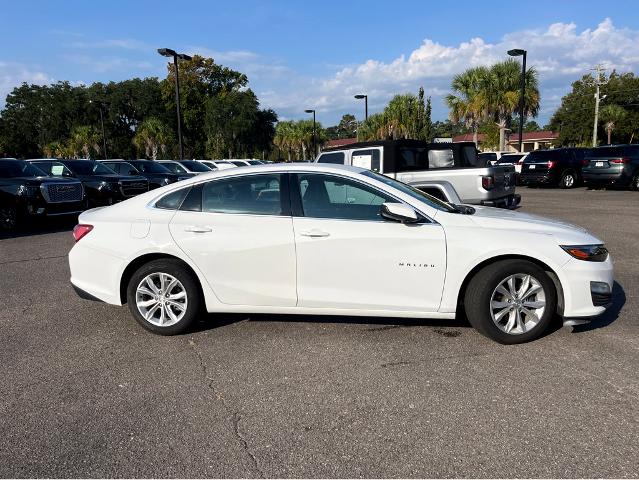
<point x="284" y="133"/>
<point x="152" y="136"/>
<point x="468" y="103"/>
<point x="374" y="128"/>
<point x="611" y="115"/>
<point x="83" y="141"/>
<point x="501" y="92"/>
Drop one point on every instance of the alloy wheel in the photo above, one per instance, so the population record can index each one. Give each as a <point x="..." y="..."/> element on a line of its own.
<point x="569" y="181"/>
<point x="8" y="218"/>
<point x="518" y="304"/>
<point x="161" y="299"/>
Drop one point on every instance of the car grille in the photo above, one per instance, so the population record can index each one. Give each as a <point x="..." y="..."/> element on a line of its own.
<point x="133" y="187"/>
<point x="62" y="192"/>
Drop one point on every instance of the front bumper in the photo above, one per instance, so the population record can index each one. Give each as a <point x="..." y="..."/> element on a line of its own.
<point x="580" y="300"/>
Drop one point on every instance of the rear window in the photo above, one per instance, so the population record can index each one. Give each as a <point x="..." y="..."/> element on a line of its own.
<point x="542" y="156"/>
<point x="510" y="158"/>
<point x="334" y="157"/>
<point x="605" y="152"/>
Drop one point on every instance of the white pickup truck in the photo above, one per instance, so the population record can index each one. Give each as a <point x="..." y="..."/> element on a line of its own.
<point x="435" y="168"/>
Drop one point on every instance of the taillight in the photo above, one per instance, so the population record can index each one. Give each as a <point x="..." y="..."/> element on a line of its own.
<point x="520" y="162"/>
<point x="585" y="162"/>
<point x="80" y="231"/>
<point x="487" y="182"/>
<point x="620" y="160"/>
<point x="551" y="163"/>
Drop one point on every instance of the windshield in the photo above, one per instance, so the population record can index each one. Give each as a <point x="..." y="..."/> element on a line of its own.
<point x="254" y="162"/>
<point x="88" y="167"/>
<point x="18" y="168"/>
<point x="239" y="164"/>
<point x="149" y="167"/>
<point x="195" y="166"/>
<point x="510" y="158"/>
<point x="412" y="191"/>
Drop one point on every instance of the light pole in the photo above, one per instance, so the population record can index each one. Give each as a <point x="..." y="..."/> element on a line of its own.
<point x="517" y="52"/>
<point x="167" y="52"/>
<point x="365" y="97"/>
<point x="314" y="146"/>
<point x="102" y="125"/>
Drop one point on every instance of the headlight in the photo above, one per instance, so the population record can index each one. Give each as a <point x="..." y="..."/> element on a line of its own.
<point x="27" y="191"/>
<point x="166" y="181"/>
<point x="589" y="253"/>
<point x="104" y="186"/>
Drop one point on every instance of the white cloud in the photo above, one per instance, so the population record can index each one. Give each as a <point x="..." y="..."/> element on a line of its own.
<point x="253" y="64"/>
<point x="13" y="74"/>
<point x="559" y="52"/>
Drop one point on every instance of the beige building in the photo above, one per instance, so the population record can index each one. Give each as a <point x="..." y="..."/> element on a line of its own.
<point x="530" y="140"/>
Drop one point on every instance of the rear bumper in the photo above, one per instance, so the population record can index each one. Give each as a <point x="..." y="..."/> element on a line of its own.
<point x="509" y="201"/>
<point x="606" y="179"/>
<point x="544" y="179"/>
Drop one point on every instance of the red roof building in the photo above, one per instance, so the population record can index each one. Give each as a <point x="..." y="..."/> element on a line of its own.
<point x="530" y="140"/>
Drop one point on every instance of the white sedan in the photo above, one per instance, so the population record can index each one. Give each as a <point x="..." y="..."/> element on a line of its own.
<point x="334" y="240"/>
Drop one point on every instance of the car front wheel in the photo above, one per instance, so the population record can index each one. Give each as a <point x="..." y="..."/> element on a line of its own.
<point x="511" y="301"/>
<point x="164" y="297"/>
<point x="8" y="218"/>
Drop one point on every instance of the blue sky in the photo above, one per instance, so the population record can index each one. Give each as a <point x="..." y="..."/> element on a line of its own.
<point x="302" y="55"/>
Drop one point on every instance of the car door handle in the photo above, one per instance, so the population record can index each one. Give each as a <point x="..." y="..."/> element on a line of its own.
<point x="198" y="229"/>
<point x="314" y="233"/>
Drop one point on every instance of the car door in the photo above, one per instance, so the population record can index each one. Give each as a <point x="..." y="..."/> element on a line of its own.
<point x="239" y="232"/>
<point x="349" y="256"/>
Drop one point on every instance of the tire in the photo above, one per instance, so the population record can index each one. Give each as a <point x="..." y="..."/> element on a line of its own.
<point x="167" y="312"/>
<point x="8" y="218"/>
<point x="635" y="183"/>
<point x="482" y="294"/>
<point x="568" y="180"/>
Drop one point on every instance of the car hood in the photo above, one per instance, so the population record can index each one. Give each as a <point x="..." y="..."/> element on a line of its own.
<point x="41" y="179"/>
<point x="498" y="218"/>
<point x="111" y="178"/>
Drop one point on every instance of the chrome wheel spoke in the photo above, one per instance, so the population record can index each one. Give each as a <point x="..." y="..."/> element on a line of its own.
<point x="161" y="299"/>
<point x="518" y="304"/>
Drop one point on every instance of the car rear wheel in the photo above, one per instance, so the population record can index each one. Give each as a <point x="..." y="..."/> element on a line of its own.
<point x="511" y="301"/>
<point x="635" y="183"/>
<point x="164" y="297"/>
<point x="568" y="180"/>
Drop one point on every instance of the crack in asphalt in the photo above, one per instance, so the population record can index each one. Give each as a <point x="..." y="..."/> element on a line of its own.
<point x="32" y="259"/>
<point x="234" y="414"/>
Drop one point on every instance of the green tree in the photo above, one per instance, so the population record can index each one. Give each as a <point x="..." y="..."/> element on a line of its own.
<point x="501" y="88"/>
<point x="84" y="141"/>
<point x="611" y="116"/>
<point x="152" y="137"/>
<point x="467" y="103"/>
<point x="374" y="128"/>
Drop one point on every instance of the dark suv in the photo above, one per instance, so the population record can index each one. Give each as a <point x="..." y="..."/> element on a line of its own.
<point x="156" y="173"/>
<point x="27" y="192"/>
<point x="616" y="165"/>
<point x="556" y="167"/>
<point x="102" y="185"/>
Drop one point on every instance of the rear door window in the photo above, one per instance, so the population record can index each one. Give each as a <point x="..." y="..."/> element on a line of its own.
<point x="250" y="195"/>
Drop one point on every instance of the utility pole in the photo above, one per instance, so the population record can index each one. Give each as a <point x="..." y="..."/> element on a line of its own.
<point x="598" y="82"/>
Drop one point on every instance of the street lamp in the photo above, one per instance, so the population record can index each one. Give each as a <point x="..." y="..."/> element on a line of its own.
<point x="517" y="52"/>
<point x="365" y="97"/>
<point x="167" y="52"/>
<point x="100" y="104"/>
<point x="314" y="146"/>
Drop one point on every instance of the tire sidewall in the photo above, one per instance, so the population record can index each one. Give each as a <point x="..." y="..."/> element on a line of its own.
<point x="188" y="280"/>
<point x="480" y="316"/>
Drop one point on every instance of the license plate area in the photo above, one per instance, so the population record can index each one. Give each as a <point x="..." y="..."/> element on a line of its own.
<point x="532" y="167"/>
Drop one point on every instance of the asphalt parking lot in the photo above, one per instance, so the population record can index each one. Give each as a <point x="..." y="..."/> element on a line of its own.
<point x="86" y="392"/>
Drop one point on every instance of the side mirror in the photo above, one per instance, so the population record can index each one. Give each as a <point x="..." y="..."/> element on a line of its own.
<point x="399" y="212"/>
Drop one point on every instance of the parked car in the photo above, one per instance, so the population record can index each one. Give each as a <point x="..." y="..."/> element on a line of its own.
<point x="156" y="174"/>
<point x="327" y="239"/>
<point x="555" y="167"/>
<point x="514" y="159"/>
<point x="616" y="166"/>
<point x="416" y="162"/>
<point x="218" y="164"/>
<point x="490" y="158"/>
<point x="26" y="192"/>
<point x="185" y="166"/>
<point x="240" y="162"/>
<point x="102" y="185"/>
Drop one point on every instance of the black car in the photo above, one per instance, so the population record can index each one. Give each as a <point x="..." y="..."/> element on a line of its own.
<point x="27" y="192"/>
<point x="555" y="167"/>
<point x="102" y="185"/>
<point x="616" y="165"/>
<point x="156" y="173"/>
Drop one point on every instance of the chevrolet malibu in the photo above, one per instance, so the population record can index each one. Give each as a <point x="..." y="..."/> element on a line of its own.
<point x="327" y="239"/>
